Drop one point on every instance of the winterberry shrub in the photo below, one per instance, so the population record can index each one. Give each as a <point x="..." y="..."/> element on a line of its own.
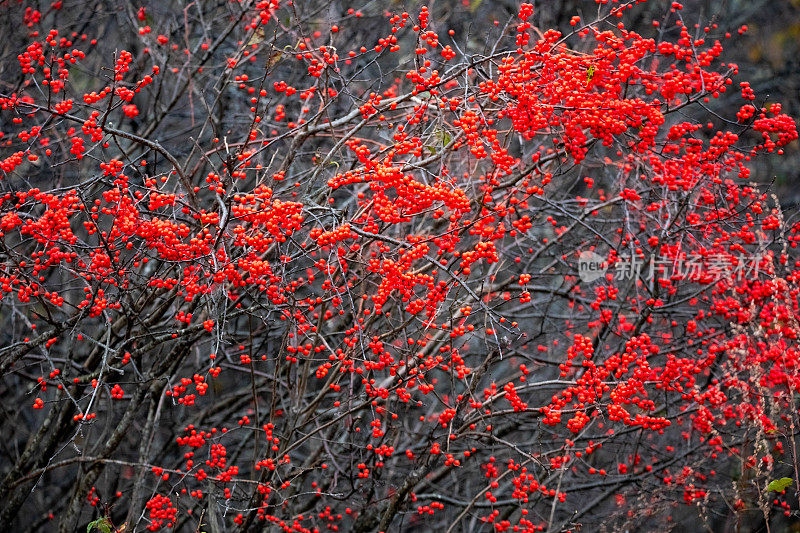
<point x="299" y="266"/>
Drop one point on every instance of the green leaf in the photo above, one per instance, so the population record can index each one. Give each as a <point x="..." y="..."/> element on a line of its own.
<point x="443" y="139"/>
<point x="474" y="5"/>
<point x="101" y="524"/>
<point x="779" y="485"/>
<point x="590" y="73"/>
